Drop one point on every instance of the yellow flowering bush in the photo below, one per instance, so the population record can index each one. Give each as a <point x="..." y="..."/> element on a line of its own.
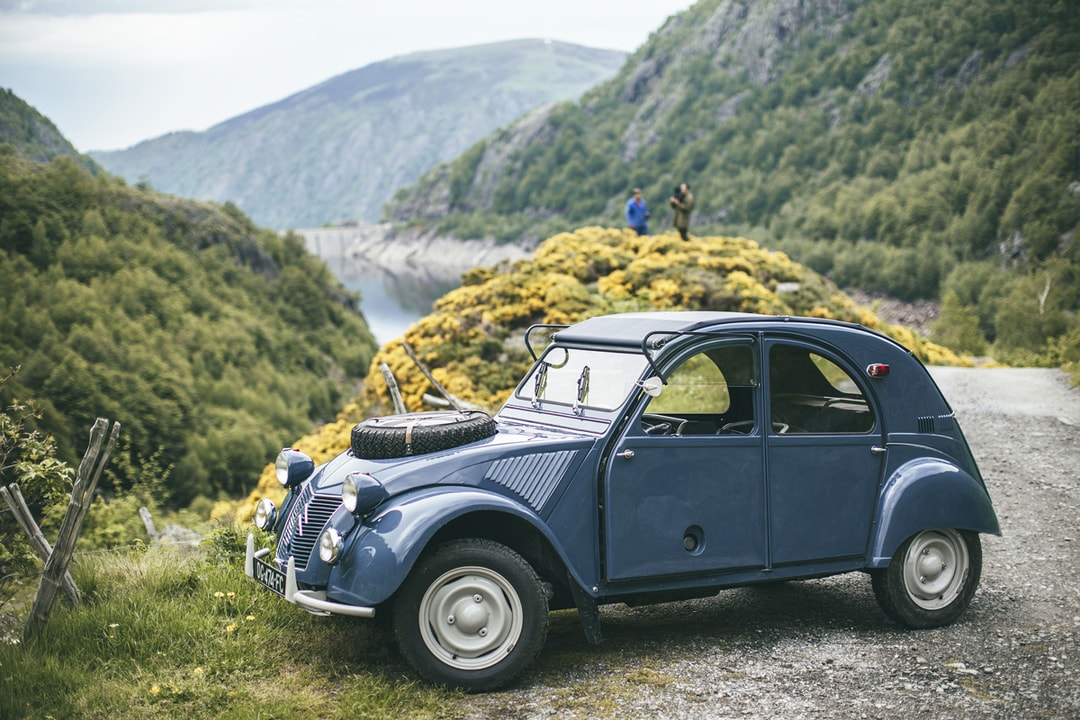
<point x="472" y="340"/>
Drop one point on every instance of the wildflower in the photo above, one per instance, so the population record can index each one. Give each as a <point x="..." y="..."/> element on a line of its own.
<point x="249" y="618"/>
<point x="230" y="628"/>
<point x="197" y="671"/>
<point x="154" y="689"/>
<point x="219" y="594"/>
<point x="230" y="595"/>
<point x="114" y="625"/>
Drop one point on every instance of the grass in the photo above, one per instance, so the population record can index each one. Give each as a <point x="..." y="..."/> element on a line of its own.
<point x="180" y="632"/>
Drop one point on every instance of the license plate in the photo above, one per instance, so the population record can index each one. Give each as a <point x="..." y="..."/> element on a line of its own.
<point x="269" y="576"/>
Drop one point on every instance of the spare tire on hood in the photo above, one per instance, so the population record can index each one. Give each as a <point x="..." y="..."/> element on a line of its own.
<point x="393" y="436"/>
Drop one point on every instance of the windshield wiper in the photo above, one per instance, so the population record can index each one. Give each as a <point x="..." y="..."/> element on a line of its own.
<point x="582" y="390"/>
<point x="539" y="384"/>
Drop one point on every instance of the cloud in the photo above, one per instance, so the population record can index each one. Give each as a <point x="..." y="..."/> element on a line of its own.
<point x="61" y="8"/>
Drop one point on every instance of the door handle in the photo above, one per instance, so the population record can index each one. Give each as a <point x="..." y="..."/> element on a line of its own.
<point x="875" y="450"/>
<point x="628" y="454"/>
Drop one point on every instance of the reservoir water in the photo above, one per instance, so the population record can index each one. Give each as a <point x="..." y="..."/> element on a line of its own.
<point x="390" y="303"/>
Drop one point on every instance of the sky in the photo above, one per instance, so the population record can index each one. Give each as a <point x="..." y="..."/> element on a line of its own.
<point x="111" y="73"/>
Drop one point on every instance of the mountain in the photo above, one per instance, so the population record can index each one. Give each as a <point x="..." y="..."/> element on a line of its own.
<point x="339" y="150"/>
<point x="212" y="342"/>
<point x="32" y="135"/>
<point x="923" y="149"/>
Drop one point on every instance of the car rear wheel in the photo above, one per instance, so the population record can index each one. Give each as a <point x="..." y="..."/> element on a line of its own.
<point x="931" y="579"/>
<point x="472" y="615"/>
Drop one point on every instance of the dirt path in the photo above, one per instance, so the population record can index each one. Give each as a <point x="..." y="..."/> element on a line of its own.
<point x="823" y="649"/>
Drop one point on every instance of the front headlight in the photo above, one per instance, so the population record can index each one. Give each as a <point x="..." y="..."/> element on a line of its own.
<point x="329" y="546"/>
<point x="265" y="514"/>
<point x="361" y="493"/>
<point x="292" y="467"/>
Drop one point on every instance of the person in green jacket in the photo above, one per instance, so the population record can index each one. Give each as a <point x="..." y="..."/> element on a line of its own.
<point x="683" y="203"/>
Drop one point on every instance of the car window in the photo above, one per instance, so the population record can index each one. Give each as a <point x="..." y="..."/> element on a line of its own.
<point x="810" y="393"/>
<point x="710" y="390"/>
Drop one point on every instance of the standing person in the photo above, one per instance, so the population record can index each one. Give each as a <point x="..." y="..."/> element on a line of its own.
<point x="683" y="202"/>
<point x="637" y="213"/>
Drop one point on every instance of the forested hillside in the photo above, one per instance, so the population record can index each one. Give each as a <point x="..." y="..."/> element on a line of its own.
<point x="211" y="341"/>
<point x="924" y="149"/>
<point x="33" y="135"/>
<point x="339" y="150"/>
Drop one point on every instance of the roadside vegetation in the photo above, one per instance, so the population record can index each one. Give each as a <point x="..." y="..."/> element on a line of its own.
<point x="207" y="338"/>
<point x="180" y="632"/>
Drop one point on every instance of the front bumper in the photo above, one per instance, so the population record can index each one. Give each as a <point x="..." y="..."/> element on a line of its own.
<point x="314" y="601"/>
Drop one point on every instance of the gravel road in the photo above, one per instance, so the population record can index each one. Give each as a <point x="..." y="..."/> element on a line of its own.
<point x="823" y="649"/>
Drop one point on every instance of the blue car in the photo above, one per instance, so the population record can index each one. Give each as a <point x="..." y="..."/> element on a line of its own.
<point x="645" y="457"/>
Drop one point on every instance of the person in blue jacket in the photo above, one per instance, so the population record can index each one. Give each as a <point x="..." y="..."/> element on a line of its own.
<point x="637" y="213"/>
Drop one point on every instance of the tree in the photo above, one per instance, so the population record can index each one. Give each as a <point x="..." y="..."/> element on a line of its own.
<point x="27" y="457"/>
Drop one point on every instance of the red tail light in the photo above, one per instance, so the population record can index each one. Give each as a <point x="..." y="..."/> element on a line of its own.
<point x="877" y="370"/>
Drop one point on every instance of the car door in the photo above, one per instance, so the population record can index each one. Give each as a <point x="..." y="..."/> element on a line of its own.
<point x="684" y="489"/>
<point x="824" y="454"/>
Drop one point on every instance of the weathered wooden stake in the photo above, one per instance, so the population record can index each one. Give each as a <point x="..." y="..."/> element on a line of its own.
<point x="391" y="384"/>
<point x="455" y="402"/>
<point x="82" y="495"/>
<point x="148" y="521"/>
<point x="15" y="500"/>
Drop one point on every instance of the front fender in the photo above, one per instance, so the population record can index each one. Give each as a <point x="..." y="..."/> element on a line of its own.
<point x="379" y="554"/>
<point x="928" y="493"/>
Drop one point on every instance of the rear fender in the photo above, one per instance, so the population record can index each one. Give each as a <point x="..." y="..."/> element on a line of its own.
<point x="379" y="554"/>
<point x="928" y="493"/>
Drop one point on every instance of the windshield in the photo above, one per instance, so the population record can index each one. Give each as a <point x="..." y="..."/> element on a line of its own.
<point x="582" y="378"/>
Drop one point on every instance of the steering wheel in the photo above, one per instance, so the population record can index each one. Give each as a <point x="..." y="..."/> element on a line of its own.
<point x="657" y="424"/>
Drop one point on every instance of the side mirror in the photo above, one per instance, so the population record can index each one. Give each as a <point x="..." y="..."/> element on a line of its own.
<point x="652" y="386"/>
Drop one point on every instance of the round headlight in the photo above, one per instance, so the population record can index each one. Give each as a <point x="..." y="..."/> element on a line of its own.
<point x="329" y="546"/>
<point x="349" y="492"/>
<point x="292" y="467"/>
<point x="281" y="467"/>
<point x="361" y="493"/>
<point x="265" y="514"/>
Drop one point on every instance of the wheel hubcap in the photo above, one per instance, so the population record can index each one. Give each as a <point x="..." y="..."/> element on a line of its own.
<point x="935" y="568"/>
<point x="470" y="618"/>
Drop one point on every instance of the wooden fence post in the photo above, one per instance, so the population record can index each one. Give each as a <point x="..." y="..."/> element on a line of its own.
<point x="82" y="494"/>
<point x="392" y="386"/>
<point x="14" y="498"/>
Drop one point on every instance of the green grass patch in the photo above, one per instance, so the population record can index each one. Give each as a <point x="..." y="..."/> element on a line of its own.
<point x="180" y="632"/>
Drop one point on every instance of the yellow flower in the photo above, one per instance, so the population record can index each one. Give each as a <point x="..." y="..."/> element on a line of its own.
<point x="197" y="671"/>
<point x="154" y="689"/>
<point x="219" y="594"/>
<point x="230" y="628"/>
<point x="249" y="618"/>
<point x="230" y="595"/>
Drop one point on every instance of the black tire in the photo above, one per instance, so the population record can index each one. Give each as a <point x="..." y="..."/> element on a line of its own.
<point x="419" y="433"/>
<point x="472" y="615"/>
<point x="931" y="579"/>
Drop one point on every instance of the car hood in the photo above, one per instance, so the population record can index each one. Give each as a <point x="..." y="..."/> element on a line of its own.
<point x="520" y="460"/>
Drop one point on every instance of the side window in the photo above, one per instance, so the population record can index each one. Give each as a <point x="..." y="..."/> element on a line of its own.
<point x="709" y="391"/>
<point x="809" y="393"/>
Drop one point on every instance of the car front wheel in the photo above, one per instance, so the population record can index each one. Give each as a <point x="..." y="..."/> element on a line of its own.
<point x="931" y="579"/>
<point x="472" y="615"/>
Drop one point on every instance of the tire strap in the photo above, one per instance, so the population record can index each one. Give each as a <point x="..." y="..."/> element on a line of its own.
<point x="408" y="437"/>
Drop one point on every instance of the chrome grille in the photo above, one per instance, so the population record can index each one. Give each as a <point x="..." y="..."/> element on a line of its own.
<point x="309" y="516"/>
